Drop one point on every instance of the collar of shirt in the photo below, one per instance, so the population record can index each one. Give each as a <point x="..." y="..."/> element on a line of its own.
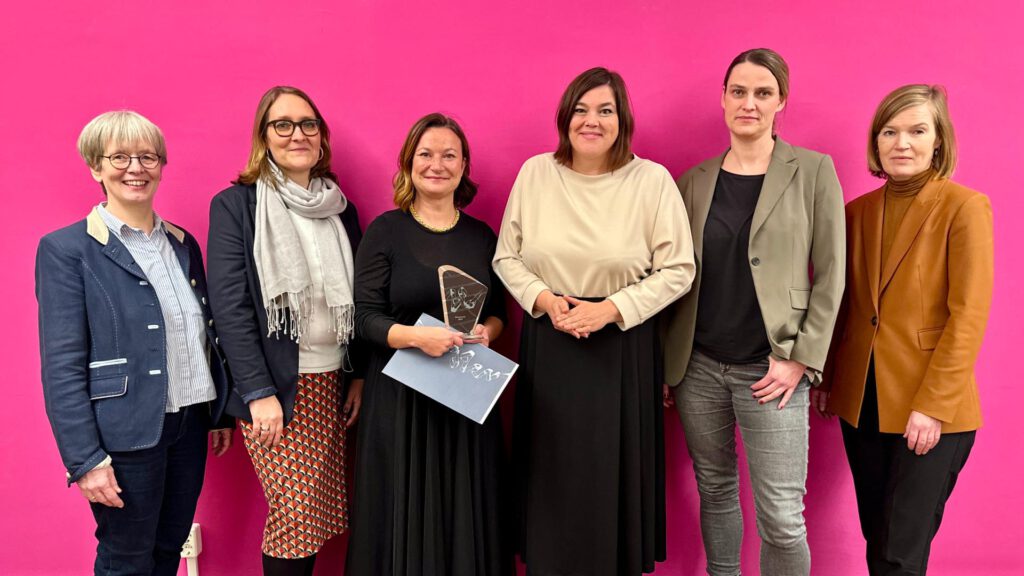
<point x="118" y="227"/>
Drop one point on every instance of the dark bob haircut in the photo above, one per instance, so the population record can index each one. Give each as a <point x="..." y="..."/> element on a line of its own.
<point x="621" y="151"/>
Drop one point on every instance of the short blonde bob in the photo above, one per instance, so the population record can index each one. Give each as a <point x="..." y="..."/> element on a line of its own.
<point x="405" y="192"/>
<point x="121" y="127"/>
<point x="258" y="165"/>
<point x="944" y="160"/>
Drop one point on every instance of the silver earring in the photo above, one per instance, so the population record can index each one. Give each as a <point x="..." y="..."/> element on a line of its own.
<point x="321" y="154"/>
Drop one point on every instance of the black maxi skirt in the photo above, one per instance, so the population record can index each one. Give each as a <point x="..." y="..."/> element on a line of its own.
<point x="428" y="487"/>
<point x="588" y="451"/>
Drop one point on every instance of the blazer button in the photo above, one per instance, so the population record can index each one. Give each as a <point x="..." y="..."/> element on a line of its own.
<point x="193" y="282"/>
<point x="210" y="322"/>
<point x="755" y="261"/>
<point x="204" y="300"/>
<point x="874" y="320"/>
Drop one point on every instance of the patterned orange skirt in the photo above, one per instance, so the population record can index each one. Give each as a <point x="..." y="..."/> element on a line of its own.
<point x="303" y="478"/>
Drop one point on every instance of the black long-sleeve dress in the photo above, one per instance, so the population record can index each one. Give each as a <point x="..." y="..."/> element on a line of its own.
<point x="428" y="480"/>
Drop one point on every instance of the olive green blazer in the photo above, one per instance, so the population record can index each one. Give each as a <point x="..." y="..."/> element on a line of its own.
<point x="797" y="257"/>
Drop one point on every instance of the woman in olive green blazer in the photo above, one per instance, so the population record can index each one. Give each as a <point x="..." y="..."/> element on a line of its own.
<point x="743" y="347"/>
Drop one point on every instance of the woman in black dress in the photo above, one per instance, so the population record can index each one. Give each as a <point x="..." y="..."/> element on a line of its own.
<point x="428" y="478"/>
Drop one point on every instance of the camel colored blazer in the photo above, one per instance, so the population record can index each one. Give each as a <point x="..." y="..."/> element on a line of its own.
<point x="922" y="312"/>
<point x="798" y="223"/>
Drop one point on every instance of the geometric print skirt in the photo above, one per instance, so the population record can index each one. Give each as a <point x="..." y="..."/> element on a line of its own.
<point x="303" y="478"/>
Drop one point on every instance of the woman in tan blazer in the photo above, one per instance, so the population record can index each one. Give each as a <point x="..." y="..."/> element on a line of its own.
<point x="744" y="345"/>
<point x="901" y="370"/>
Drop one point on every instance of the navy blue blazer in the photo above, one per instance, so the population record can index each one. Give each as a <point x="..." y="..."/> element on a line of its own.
<point x="261" y="365"/>
<point x="104" y="369"/>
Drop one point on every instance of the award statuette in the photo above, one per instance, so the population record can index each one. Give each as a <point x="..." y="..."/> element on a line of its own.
<point x="463" y="298"/>
<point x="468" y="378"/>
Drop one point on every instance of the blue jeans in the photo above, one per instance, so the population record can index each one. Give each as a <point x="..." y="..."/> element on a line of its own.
<point x="160" y="488"/>
<point x="712" y="399"/>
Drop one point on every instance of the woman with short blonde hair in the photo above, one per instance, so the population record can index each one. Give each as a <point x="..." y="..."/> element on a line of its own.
<point x="131" y="366"/>
<point x="900" y="374"/>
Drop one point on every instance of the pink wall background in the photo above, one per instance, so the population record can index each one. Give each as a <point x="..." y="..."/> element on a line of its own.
<point x="198" y="68"/>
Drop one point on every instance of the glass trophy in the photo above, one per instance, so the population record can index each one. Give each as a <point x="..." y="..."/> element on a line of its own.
<point x="463" y="299"/>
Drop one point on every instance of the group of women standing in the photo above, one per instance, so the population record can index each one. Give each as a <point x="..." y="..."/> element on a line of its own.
<point x="721" y="302"/>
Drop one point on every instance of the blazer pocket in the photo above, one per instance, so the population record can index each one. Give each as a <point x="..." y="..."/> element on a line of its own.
<point x="799" y="298"/>
<point x="108" y="387"/>
<point x="929" y="338"/>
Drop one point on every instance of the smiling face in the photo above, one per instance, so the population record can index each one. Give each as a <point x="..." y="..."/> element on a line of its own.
<point x="438" y="164"/>
<point x="907" y="142"/>
<point x="594" y="126"/>
<point x="751" y="100"/>
<point x="134" y="185"/>
<point x="295" y="154"/>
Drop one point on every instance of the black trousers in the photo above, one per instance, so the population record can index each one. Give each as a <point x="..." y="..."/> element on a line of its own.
<point x="900" y="495"/>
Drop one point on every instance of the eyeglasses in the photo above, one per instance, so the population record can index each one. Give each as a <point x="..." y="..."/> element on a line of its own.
<point x="123" y="161"/>
<point x="285" y="128"/>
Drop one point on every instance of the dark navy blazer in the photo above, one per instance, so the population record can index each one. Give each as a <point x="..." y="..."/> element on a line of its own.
<point x="104" y="369"/>
<point x="261" y="365"/>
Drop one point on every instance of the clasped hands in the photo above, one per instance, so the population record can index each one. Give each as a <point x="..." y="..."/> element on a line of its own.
<point x="578" y="318"/>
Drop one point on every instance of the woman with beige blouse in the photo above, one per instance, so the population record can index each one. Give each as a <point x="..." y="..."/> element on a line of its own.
<point x="592" y="236"/>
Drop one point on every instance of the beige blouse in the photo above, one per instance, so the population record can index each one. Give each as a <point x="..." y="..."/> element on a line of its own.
<point x="622" y="236"/>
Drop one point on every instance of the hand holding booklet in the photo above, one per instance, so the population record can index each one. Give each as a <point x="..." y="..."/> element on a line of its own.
<point x="469" y="379"/>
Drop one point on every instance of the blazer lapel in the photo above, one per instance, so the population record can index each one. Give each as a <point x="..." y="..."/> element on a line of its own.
<point x="112" y="247"/>
<point x="703" y="194"/>
<point x="780" y="172"/>
<point x="871" y="238"/>
<point x="911" y="225"/>
<point x="119" y="253"/>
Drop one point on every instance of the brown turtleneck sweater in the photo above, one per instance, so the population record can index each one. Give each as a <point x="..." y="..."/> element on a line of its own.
<point x="898" y="198"/>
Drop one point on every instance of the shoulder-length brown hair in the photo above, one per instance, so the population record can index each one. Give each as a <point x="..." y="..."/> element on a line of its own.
<point x="405" y="192"/>
<point x="258" y="166"/>
<point x="621" y="151"/>
<point x="944" y="160"/>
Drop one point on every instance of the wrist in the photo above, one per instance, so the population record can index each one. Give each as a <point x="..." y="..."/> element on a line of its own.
<point x="415" y="337"/>
<point x="543" y="301"/>
<point x="612" y="312"/>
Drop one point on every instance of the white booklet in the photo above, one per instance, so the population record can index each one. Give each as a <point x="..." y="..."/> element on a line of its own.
<point x="469" y="379"/>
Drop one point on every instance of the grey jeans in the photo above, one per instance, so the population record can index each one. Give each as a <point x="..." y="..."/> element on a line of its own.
<point x="712" y="399"/>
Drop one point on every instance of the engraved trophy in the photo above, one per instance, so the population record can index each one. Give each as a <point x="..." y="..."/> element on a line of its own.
<point x="463" y="299"/>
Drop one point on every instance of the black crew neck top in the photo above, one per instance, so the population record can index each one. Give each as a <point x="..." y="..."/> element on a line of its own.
<point x="730" y="327"/>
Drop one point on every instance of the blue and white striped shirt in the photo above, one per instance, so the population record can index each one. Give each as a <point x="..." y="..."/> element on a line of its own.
<point x="188" y="370"/>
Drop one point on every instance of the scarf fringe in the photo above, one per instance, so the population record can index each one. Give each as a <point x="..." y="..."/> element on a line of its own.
<point x="289" y="313"/>
<point x="343" y="322"/>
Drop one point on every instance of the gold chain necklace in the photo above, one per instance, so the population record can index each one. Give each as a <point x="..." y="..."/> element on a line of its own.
<point x="416" y="216"/>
